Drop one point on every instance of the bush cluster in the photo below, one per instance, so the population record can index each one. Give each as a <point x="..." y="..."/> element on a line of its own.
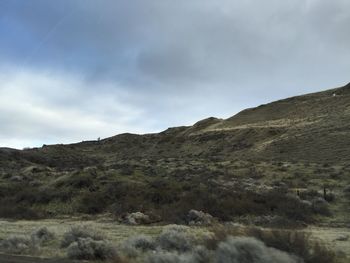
<point x="250" y="250"/>
<point x="26" y="244"/>
<point x="85" y="243"/>
<point x="42" y="235"/>
<point x="135" y="245"/>
<point x="17" y="245"/>
<point x="80" y="232"/>
<point x="89" y="249"/>
<point x="293" y="242"/>
<point x="228" y="245"/>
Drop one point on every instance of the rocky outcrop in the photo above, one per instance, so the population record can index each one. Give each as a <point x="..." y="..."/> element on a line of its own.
<point x="137" y="218"/>
<point x="195" y="217"/>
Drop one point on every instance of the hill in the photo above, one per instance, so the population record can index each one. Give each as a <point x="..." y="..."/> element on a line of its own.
<point x="299" y="142"/>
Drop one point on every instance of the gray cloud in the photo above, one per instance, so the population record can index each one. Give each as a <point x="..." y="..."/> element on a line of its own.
<point x="144" y="65"/>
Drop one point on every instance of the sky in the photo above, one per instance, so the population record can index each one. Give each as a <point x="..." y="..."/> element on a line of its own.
<point x="73" y="70"/>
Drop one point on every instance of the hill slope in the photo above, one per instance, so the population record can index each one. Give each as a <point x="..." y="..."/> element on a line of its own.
<point x="313" y="127"/>
<point x="299" y="141"/>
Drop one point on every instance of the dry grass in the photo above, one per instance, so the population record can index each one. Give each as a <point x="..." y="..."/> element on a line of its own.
<point x="116" y="234"/>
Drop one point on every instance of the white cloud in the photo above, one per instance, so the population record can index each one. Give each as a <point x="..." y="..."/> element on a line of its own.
<point x="37" y="108"/>
<point x="96" y="69"/>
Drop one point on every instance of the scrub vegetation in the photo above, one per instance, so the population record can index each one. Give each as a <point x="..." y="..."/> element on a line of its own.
<point x="283" y="166"/>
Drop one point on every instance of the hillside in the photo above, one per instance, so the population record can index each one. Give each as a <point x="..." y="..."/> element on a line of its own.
<point x="302" y="142"/>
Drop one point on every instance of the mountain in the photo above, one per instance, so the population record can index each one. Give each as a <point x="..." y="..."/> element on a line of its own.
<point x="309" y="134"/>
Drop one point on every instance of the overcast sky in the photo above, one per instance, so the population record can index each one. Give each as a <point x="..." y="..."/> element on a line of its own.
<point x="73" y="70"/>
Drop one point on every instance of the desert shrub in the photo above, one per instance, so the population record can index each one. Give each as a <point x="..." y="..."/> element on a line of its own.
<point x="175" y="238"/>
<point x="163" y="257"/>
<point x="89" y="249"/>
<point x="10" y="209"/>
<point x="197" y="255"/>
<point x="80" y="232"/>
<point x="250" y="250"/>
<point x="310" y="194"/>
<point x="320" y="206"/>
<point x="17" y="245"/>
<point x="347" y="191"/>
<point x="77" y="180"/>
<point x="92" y="202"/>
<point x="42" y="235"/>
<point x="298" y="243"/>
<point x="200" y="254"/>
<point x="330" y="197"/>
<point x="137" y="244"/>
<point x="289" y="205"/>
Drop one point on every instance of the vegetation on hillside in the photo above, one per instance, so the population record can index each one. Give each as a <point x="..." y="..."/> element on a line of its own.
<point x="287" y="159"/>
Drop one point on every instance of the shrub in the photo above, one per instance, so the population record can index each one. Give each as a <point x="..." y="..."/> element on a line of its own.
<point x="10" y="209"/>
<point x="92" y="202"/>
<point x="347" y="191"/>
<point x="175" y="238"/>
<point x="198" y="255"/>
<point x="89" y="249"/>
<point x="42" y="235"/>
<point x="298" y="243"/>
<point x="330" y="197"/>
<point x="250" y="250"/>
<point x="163" y="257"/>
<point x="77" y="232"/>
<point x="134" y="245"/>
<point x="17" y="245"/>
<point x="320" y="206"/>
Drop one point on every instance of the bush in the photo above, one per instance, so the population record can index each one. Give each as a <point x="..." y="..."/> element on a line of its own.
<point x="320" y="206"/>
<point x="17" y="245"/>
<point x="137" y="244"/>
<point x="298" y="243"/>
<point x="92" y="202"/>
<point x="198" y="255"/>
<point x="175" y="238"/>
<point x="42" y="235"/>
<point x="10" y="209"/>
<point x="77" y="232"/>
<point x="89" y="249"/>
<point x="164" y="257"/>
<point x="250" y="250"/>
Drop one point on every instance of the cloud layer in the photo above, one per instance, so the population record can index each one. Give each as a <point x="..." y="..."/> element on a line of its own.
<point x="74" y="70"/>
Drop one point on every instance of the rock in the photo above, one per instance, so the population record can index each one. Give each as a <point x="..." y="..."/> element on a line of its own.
<point x="137" y="218"/>
<point x="199" y="218"/>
